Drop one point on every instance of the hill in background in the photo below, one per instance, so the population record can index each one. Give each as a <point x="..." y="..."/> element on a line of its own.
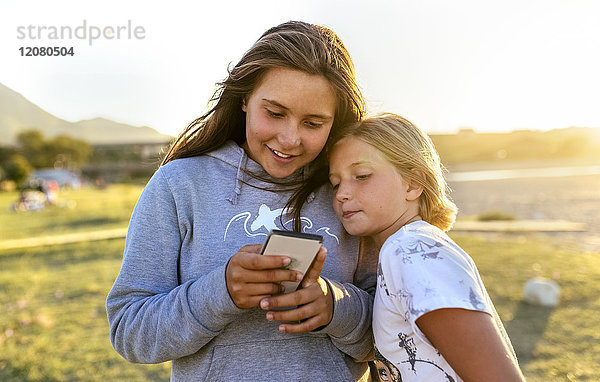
<point x="17" y="114"/>
<point x="466" y="147"/>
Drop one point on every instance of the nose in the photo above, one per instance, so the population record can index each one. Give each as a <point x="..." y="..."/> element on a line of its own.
<point x="289" y="135"/>
<point x="343" y="192"/>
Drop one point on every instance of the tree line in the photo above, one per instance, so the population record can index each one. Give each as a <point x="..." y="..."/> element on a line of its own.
<point x="34" y="151"/>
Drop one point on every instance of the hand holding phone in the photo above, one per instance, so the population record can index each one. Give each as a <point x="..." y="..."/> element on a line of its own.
<point x="301" y="248"/>
<point x="306" y="309"/>
<point x="251" y="277"/>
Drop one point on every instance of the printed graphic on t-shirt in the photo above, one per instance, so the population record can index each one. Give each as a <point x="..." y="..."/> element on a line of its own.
<point x="427" y="250"/>
<point x="403" y="294"/>
<point x="385" y="369"/>
<point x="475" y="301"/>
<point x="381" y="279"/>
<point x="407" y="344"/>
<point x="268" y="219"/>
<point x="420" y="270"/>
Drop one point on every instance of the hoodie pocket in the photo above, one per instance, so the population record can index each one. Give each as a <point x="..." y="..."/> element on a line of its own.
<point x="295" y="359"/>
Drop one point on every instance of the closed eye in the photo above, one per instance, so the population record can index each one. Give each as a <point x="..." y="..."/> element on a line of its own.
<point x="314" y="124"/>
<point x="274" y="114"/>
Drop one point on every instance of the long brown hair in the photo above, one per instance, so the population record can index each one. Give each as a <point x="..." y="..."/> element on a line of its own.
<point x="310" y="48"/>
<point x="296" y="45"/>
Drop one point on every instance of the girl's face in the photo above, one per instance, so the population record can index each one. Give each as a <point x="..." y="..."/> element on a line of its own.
<point x="370" y="197"/>
<point x="288" y="119"/>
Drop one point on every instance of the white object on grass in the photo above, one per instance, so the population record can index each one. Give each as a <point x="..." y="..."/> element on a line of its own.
<point x="541" y="291"/>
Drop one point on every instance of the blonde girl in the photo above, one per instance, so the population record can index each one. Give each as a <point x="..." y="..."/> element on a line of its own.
<point x="432" y="317"/>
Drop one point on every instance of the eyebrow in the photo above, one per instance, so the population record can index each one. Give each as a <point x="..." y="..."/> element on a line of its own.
<point x="275" y="103"/>
<point x="357" y="163"/>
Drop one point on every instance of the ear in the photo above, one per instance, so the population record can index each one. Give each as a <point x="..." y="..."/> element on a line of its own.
<point x="414" y="189"/>
<point x="244" y="107"/>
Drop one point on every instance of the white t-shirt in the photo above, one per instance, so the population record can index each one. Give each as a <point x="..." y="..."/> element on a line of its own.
<point x="420" y="270"/>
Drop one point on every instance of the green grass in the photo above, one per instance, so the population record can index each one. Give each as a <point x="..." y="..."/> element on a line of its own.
<point x="77" y="210"/>
<point x="560" y="344"/>
<point x="53" y="322"/>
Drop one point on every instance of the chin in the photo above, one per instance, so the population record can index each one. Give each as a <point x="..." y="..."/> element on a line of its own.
<point x="278" y="174"/>
<point x="277" y="171"/>
<point x="354" y="231"/>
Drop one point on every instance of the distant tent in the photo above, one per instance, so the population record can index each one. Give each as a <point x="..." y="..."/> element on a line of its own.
<point x="64" y="178"/>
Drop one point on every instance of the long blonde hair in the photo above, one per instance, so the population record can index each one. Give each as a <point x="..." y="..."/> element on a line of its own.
<point x="413" y="154"/>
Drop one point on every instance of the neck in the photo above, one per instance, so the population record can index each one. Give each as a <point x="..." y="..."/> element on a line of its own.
<point x="380" y="238"/>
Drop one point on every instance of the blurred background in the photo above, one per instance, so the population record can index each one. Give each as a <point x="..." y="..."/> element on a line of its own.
<point x="508" y="91"/>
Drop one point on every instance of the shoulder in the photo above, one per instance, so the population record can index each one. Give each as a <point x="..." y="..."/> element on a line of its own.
<point x="177" y="172"/>
<point x="430" y="273"/>
<point x="195" y="169"/>
<point x="179" y="165"/>
<point x="421" y="240"/>
<point x="229" y="153"/>
<point x="422" y="252"/>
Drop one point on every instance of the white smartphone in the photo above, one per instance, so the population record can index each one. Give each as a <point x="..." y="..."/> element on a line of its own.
<point x="302" y="248"/>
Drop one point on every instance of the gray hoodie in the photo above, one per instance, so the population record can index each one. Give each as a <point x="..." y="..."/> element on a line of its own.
<point x="170" y="300"/>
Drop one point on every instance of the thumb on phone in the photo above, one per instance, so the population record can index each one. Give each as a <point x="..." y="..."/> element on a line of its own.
<point x="314" y="271"/>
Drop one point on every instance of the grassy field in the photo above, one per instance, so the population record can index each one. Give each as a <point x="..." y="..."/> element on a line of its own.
<point x="53" y="324"/>
<point x="76" y="211"/>
<point x="560" y="344"/>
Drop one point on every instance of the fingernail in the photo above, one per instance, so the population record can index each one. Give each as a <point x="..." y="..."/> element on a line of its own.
<point x="299" y="276"/>
<point x="282" y="328"/>
<point x="287" y="261"/>
<point x="270" y="316"/>
<point x="264" y="304"/>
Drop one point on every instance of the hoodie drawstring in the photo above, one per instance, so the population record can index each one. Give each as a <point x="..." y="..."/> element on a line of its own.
<point x="235" y="195"/>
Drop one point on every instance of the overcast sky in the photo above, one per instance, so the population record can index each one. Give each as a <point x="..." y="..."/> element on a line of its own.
<point x="445" y="65"/>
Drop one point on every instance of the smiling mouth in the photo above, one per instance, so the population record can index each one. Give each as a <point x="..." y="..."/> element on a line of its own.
<point x="280" y="154"/>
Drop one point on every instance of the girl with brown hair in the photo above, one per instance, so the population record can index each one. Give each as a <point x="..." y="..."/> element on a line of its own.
<point x="193" y="287"/>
